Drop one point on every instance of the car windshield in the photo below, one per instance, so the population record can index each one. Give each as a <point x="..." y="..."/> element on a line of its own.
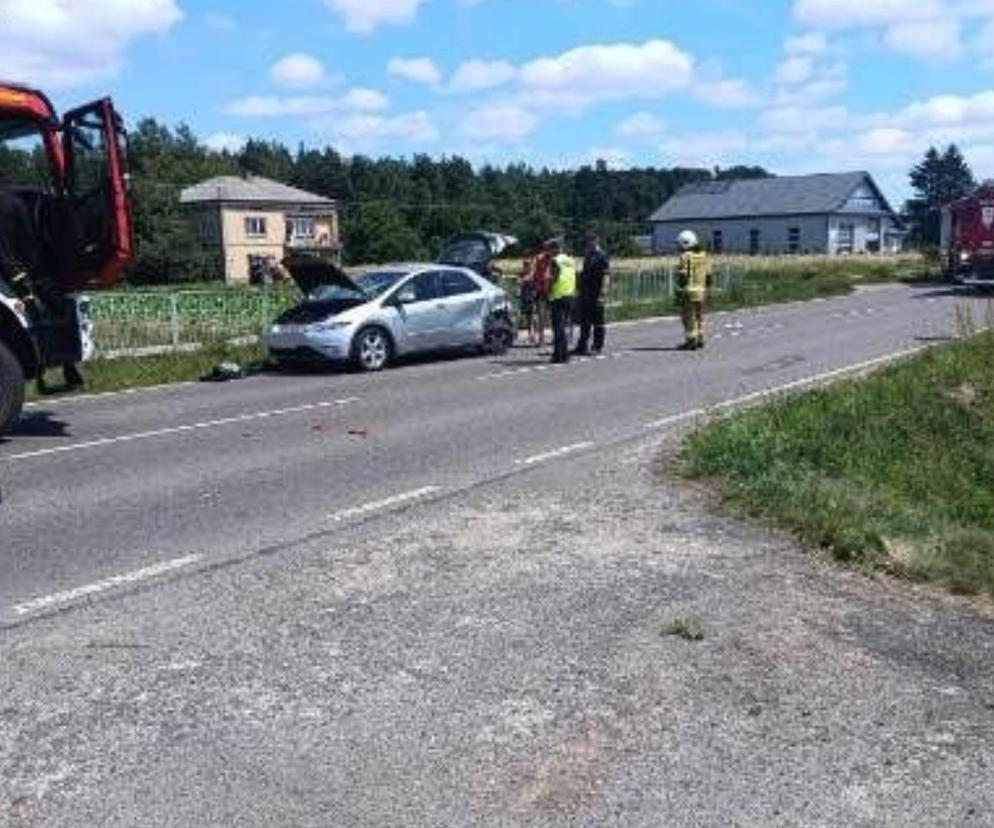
<point x="370" y="285"/>
<point x="377" y="282"/>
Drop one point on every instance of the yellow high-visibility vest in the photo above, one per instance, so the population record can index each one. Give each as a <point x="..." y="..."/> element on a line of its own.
<point x="695" y="268"/>
<point x="564" y="286"/>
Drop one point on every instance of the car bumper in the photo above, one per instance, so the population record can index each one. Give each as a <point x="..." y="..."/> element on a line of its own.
<point x="310" y="346"/>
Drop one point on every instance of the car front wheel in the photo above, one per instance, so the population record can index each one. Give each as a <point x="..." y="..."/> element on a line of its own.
<point x="372" y="349"/>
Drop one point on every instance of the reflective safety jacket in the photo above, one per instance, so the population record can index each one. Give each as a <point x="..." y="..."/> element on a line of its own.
<point x="565" y="285"/>
<point x="694" y="273"/>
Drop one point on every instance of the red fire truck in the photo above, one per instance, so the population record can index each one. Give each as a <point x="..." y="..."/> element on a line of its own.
<point x="967" y="245"/>
<point x="65" y="227"/>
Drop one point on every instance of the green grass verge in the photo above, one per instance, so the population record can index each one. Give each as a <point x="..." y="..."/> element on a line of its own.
<point x="124" y="373"/>
<point x="894" y="471"/>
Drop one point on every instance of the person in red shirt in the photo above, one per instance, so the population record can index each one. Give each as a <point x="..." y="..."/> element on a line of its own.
<point x="542" y="281"/>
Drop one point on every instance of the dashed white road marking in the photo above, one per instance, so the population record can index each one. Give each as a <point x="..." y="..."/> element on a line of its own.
<point x="69" y="596"/>
<point x="766" y="393"/>
<point x="554" y="454"/>
<point x="386" y="503"/>
<point x="124" y="392"/>
<point x="180" y="429"/>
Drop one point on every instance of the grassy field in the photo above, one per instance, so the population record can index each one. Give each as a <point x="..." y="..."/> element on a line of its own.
<point x="119" y="374"/>
<point x="894" y="471"/>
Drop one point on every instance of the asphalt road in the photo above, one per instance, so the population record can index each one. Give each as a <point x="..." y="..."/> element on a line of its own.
<point x="98" y="489"/>
<point x="440" y="596"/>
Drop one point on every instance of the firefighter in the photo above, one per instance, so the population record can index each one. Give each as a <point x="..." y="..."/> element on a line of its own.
<point x="693" y="277"/>
<point x="595" y="280"/>
<point x="561" y="293"/>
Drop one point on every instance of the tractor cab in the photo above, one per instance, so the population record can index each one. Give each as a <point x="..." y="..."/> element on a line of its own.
<point x="64" y="212"/>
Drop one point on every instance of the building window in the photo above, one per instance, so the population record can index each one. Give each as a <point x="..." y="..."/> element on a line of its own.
<point x="300" y="228"/>
<point x="255" y="227"/>
<point x="753" y="242"/>
<point x="717" y="241"/>
<point x="793" y="239"/>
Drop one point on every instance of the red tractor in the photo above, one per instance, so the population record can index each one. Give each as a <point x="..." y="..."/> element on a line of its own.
<point x="65" y="228"/>
<point x="967" y="246"/>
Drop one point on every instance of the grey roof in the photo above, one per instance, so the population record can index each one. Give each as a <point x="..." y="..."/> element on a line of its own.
<point x="786" y="196"/>
<point x="250" y="188"/>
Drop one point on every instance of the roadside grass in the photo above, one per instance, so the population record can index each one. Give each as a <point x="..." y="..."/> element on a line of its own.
<point x="689" y="628"/>
<point x="894" y="471"/>
<point x="124" y="373"/>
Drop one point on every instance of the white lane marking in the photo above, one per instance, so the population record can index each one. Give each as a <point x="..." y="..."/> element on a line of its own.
<point x="125" y="392"/>
<point x="555" y="453"/>
<point x="72" y="595"/>
<point x="386" y="503"/>
<point x="181" y="429"/>
<point x="777" y="390"/>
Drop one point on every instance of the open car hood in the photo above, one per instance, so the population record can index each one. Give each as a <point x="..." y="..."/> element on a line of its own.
<point x="311" y="272"/>
<point x="474" y="250"/>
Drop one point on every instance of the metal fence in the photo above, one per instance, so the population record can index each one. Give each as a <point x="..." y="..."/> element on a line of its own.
<point x="146" y="323"/>
<point x="140" y="323"/>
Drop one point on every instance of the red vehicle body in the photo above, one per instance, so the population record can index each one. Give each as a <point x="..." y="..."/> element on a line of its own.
<point x="63" y="229"/>
<point x="967" y="245"/>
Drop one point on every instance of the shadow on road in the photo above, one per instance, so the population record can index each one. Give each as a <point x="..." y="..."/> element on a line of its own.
<point x="38" y="424"/>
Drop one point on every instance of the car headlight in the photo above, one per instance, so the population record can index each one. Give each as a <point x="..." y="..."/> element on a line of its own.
<point x="964" y="257"/>
<point x="328" y="325"/>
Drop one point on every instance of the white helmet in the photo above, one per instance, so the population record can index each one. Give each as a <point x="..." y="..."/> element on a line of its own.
<point x="687" y="240"/>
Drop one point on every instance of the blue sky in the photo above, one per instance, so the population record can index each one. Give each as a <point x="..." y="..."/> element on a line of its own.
<point x="794" y="85"/>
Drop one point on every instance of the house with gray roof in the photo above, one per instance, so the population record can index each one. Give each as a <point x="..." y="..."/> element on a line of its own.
<point x="835" y="214"/>
<point x="252" y="223"/>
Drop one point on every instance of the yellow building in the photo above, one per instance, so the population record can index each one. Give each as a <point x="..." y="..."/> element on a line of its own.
<point x="254" y="222"/>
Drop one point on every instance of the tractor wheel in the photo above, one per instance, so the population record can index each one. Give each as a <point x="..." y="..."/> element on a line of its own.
<point x="11" y="388"/>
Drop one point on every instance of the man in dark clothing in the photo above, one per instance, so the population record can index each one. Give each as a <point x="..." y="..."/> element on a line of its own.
<point x="595" y="278"/>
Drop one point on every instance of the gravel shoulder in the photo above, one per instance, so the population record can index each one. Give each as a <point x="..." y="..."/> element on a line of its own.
<point x="499" y="659"/>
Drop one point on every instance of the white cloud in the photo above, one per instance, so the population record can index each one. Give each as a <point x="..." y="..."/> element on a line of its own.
<point x="851" y="14"/>
<point x="225" y="142"/>
<point x="275" y="106"/>
<point x="928" y="39"/>
<point x="366" y="132"/>
<point x="417" y="70"/>
<point x="474" y="75"/>
<point x="727" y="94"/>
<point x="931" y="29"/>
<point x="502" y="123"/>
<point x="298" y="70"/>
<point x="365" y="16"/>
<point x="812" y="43"/>
<point x="591" y="74"/>
<point x="62" y="43"/>
<point x="642" y="126"/>
<point x="705" y="149"/>
<point x="795" y="69"/>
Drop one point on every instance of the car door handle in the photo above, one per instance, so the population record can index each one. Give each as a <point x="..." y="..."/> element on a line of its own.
<point x="441" y="305"/>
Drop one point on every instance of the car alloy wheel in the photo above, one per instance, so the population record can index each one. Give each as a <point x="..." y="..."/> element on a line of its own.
<point x="374" y="349"/>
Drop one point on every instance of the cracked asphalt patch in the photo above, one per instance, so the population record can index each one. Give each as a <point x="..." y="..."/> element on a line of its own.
<point x="496" y="660"/>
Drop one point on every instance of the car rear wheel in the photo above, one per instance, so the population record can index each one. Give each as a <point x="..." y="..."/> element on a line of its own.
<point x="372" y="349"/>
<point x="11" y="388"/>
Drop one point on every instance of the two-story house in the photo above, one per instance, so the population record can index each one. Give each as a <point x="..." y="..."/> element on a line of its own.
<point x="253" y="223"/>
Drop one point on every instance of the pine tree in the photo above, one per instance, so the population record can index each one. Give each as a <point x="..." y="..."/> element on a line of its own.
<point x="937" y="180"/>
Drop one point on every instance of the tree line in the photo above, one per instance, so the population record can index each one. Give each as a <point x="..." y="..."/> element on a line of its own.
<point x="392" y="209"/>
<point x="402" y="209"/>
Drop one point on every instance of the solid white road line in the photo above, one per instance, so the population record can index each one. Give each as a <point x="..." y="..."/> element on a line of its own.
<point x="126" y="392"/>
<point x="777" y="390"/>
<point x="181" y="429"/>
<point x="386" y="503"/>
<point x="555" y="453"/>
<point x="57" y="599"/>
